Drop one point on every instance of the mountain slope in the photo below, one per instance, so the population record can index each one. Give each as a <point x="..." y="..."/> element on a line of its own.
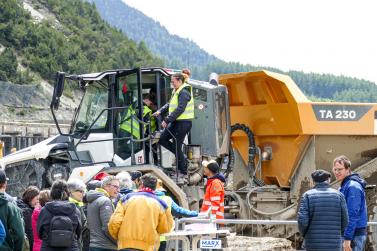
<point x="178" y="52"/>
<point x="77" y="41"/>
<point x="175" y="50"/>
<point x="53" y="36"/>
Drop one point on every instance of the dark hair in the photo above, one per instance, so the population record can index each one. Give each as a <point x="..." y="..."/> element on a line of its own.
<point x="135" y="175"/>
<point x="59" y="190"/>
<point x="30" y="193"/>
<point x="149" y="180"/>
<point x="44" y="197"/>
<point x="343" y="160"/>
<point x="179" y="76"/>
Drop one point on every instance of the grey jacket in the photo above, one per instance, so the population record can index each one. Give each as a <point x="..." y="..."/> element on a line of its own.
<point x="100" y="209"/>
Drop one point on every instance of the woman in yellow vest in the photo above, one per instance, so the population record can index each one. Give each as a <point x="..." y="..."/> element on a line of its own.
<point x="179" y="120"/>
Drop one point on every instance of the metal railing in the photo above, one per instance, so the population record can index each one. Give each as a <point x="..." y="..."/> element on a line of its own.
<point x="247" y="222"/>
<point x="295" y="238"/>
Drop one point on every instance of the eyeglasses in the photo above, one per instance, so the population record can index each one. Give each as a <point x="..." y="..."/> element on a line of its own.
<point x="336" y="170"/>
<point x="115" y="186"/>
<point x="80" y="191"/>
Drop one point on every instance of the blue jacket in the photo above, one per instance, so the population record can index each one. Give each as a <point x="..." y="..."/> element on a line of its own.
<point x="352" y="188"/>
<point x="176" y="210"/>
<point x="2" y="233"/>
<point x="322" y="218"/>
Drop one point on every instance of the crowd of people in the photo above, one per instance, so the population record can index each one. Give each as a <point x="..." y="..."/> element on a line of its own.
<point x="128" y="211"/>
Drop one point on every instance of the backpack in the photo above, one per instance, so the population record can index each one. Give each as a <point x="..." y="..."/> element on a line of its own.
<point x="61" y="232"/>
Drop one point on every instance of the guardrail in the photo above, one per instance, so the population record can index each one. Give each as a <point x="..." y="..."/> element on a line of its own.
<point x="248" y="222"/>
<point x="180" y="225"/>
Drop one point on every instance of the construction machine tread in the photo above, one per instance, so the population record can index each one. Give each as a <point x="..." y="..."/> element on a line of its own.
<point x="23" y="174"/>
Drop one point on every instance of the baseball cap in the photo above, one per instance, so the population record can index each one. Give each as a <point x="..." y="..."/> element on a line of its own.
<point x="211" y="165"/>
<point x="100" y="176"/>
<point x="320" y="175"/>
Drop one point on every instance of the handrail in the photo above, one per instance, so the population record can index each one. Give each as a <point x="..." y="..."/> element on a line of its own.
<point x="248" y="222"/>
<point x="86" y="134"/>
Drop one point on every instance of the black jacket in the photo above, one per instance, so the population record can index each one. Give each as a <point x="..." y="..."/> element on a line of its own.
<point x="11" y="217"/>
<point x="27" y="211"/>
<point x="52" y="209"/>
<point x="322" y="218"/>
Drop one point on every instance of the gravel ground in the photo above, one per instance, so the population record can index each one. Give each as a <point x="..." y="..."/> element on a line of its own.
<point x="243" y="243"/>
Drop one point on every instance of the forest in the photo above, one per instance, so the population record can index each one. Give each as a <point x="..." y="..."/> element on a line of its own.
<point x="80" y="41"/>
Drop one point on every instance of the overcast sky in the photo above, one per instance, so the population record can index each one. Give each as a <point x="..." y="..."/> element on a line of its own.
<point x="324" y="36"/>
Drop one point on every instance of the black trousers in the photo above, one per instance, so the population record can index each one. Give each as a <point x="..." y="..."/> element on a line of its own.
<point x="179" y="129"/>
<point x="162" y="246"/>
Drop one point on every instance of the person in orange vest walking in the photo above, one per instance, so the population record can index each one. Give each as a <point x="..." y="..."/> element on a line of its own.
<point x="214" y="195"/>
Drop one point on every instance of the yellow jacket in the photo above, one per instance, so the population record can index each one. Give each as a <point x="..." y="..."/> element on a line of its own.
<point x="138" y="221"/>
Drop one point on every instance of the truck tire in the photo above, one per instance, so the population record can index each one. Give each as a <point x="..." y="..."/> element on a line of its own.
<point x="24" y="174"/>
<point x="237" y="209"/>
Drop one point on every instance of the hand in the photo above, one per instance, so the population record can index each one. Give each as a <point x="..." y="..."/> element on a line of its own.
<point x="156" y="114"/>
<point x="347" y="245"/>
<point x="164" y="124"/>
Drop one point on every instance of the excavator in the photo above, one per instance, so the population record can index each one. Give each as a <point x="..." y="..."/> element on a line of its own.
<point x="259" y="126"/>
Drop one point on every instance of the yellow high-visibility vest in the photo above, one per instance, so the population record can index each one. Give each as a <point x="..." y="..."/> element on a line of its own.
<point x="130" y="124"/>
<point x="173" y="104"/>
<point x="153" y="124"/>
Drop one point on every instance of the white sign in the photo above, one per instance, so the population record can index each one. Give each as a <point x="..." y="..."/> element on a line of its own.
<point x="210" y="244"/>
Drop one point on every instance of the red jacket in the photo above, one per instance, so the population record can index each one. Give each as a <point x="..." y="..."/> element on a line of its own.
<point x="214" y="196"/>
<point x="34" y="219"/>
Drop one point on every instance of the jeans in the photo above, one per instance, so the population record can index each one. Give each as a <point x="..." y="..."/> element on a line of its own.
<point x="358" y="242"/>
<point x="179" y="129"/>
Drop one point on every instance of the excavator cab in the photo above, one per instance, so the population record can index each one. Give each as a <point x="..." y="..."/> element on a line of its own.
<point x="110" y="125"/>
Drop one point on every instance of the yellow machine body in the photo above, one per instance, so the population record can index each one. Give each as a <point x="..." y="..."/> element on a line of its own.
<point x="283" y="119"/>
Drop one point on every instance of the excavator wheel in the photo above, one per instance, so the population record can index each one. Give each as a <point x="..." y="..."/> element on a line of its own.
<point x="24" y="174"/>
<point x="371" y="195"/>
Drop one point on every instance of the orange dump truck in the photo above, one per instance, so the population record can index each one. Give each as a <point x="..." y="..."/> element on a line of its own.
<point x="293" y="137"/>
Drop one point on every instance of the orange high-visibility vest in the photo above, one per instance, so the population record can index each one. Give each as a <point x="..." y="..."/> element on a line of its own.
<point x="214" y="197"/>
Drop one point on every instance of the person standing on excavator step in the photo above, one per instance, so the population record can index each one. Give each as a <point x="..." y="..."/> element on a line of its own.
<point x="214" y="196"/>
<point x="179" y="120"/>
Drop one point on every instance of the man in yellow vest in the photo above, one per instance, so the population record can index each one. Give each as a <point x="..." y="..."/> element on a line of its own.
<point x="179" y="120"/>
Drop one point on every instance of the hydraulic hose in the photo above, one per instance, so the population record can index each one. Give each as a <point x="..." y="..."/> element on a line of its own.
<point x="252" y="152"/>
